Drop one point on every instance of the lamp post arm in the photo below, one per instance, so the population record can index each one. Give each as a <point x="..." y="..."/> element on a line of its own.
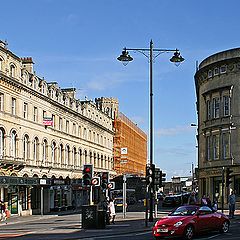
<point x="144" y="51"/>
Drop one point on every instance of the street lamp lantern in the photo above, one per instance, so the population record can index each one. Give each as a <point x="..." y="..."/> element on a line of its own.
<point x="125" y="57"/>
<point x="149" y="53"/>
<point x="177" y="58"/>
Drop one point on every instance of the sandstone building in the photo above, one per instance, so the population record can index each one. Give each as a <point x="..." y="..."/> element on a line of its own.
<point x="218" y="100"/>
<point x="46" y="135"/>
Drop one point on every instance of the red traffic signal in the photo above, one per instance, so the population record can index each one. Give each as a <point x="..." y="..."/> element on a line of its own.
<point x="87" y="174"/>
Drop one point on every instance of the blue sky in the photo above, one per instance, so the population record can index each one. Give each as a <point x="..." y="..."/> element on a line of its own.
<point x="76" y="43"/>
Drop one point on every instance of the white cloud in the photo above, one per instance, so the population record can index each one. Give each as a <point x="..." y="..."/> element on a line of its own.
<point x="178" y="130"/>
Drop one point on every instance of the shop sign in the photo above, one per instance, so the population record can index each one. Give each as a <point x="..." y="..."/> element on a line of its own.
<point x="58" y="182"/>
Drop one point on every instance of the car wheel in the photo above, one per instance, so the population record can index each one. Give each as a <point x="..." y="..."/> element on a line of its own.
<point x="225" y="227"/>
<point x="189" y="232"/>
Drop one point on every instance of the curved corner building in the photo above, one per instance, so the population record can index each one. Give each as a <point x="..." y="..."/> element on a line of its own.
<point x="217" y="83"/>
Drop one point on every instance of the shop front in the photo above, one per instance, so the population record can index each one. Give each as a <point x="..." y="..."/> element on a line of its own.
<point x="60" y="195"/>
<point x="16" y="193"/>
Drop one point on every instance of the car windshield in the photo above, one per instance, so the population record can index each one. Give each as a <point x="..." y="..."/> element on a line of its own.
<point x="184" y="211"/>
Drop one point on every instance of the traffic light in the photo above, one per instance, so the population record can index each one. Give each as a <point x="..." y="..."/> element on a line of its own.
<point x="150" y="175"/>
<point x="157" y="181"/>
<point x="162" y="178"/>
<point x="87" y="174"/>
<point x="228" y="177"/>
<point x="105" y="179"/>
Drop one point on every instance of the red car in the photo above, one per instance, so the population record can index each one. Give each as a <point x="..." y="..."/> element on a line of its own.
<point x="187" y="221"/>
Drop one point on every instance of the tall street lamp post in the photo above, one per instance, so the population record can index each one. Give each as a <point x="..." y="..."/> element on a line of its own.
<point x="149" y="53"/>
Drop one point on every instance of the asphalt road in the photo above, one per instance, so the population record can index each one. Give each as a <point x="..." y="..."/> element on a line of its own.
<point x="69" y="227"/>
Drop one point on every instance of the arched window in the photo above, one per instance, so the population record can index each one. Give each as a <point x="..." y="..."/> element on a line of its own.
<point x="13" y="144"/>
<point x="61" y="155"/>
<point x="85" y="157"/>
<point x="26" y="147"/>
<point x="53" y="152"/>
<point x="45" y="154"/>
<point x="80" y="157"/>
<point x="43" y="88"/>
<point x="35" y="149"/>
<point x="12" y="71"/>
<point x="74" y="156"/>
<point x="67" y="158"/>
<point x="1" y="142"/>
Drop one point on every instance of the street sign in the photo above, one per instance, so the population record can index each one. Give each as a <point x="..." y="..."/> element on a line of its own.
<point x="95" y="181"/>
<point x="124" y="150"/>
<point x="111" y="185"/>
<point x="43" y="181"/>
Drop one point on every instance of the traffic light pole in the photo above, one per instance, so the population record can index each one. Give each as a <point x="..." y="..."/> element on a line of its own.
<point x="124" y="195"/>
<point x="222" y="189"/>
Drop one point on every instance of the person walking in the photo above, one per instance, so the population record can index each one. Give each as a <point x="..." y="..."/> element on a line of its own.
<point x="232" y="202"/>
<point x="112" y="210"/>
<point x="192" y="199"/>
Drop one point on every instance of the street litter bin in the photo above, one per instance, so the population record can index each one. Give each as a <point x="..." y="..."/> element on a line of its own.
<point x="101" y="219"/>
<point x="89" y="216"/>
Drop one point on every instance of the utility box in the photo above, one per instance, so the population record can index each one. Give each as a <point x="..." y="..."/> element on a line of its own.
<point x="89" y="216"/>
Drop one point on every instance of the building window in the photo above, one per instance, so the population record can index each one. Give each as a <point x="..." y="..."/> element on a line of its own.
<point x="67" y="126"/>
<point x="1" y="143"/>
<point x="74" y="129"/>
<point x="1" y="65"/>
<point x="216" y="107"/>
<point x="67" y="158"/>
<point x="13" y="144"/>
<point x="1" y="101"/>
<point x="35" y="149"/>
<point x="44" y="150"/>
<point x="226" y="145"/>
<point x="226" y="106"/>
<point x="60" y="124"/>
<point x="54" y="152"/>
<point x="61" y="155"/>
<point x="26" y="147"/>
<point x="25" y="110"/>
<point x="85" y="133"/>
<point x="210" y="73"/>
<point x="53" y="121"/>
<point x="12" y="71"/>
<point x="35" y="114"/>
<point x="216" y="71"/>
<point x="13" y="106"/>
<point x="215" y="147"/>
<point x="44" y="114"/>
<point x="223" y="69"/>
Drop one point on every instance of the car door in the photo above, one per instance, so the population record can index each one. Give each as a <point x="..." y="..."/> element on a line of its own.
<point x="204" y="219"/>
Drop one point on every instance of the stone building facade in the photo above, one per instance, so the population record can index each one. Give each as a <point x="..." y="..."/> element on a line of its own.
<point x="218" y="100"/>
<point x="46" y="135"/>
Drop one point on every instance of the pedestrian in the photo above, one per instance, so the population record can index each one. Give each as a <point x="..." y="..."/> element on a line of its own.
<point x="192" y="199"/>
<point x="3" y="211"/>
<point x="204" y="200"/>
<point x="106" y="209"/>
<point x="112" y="210"/>
<point x="209" y="202"/>
<point x="232" y="202"/>
<point x="215" y="205"/>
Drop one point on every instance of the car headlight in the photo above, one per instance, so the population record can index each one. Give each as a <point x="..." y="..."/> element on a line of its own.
<point x="178" y="224"/>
